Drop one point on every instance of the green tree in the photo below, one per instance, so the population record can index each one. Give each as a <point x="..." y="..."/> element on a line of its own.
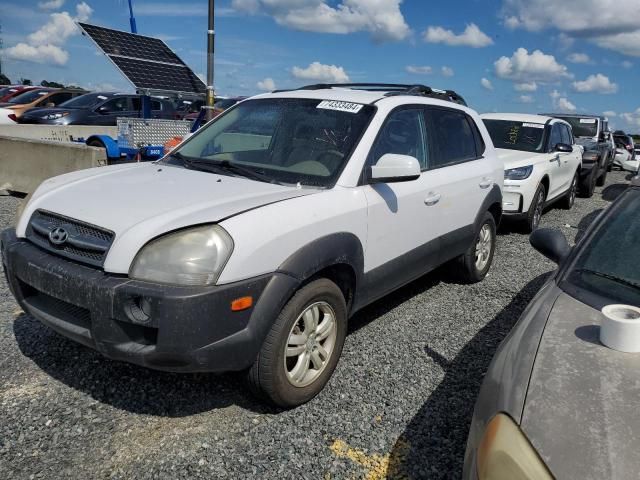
<point x="25" y="81"/>
<point x="4" y="80"/>
<point x="45" y="83"/>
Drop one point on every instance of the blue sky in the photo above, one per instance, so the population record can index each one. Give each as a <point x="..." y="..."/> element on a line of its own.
<point x="501" y="55"/>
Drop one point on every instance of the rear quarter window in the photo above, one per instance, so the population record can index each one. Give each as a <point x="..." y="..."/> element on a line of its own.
<point x="455" y="137"/>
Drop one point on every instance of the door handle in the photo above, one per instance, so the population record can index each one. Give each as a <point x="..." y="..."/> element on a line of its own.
<point x="555" y="159"/>
<point x="432" y="199"/>
<point x="485" y="183"/>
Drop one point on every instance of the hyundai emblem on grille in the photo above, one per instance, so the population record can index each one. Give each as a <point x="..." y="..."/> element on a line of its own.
<point x="58" y="236"/>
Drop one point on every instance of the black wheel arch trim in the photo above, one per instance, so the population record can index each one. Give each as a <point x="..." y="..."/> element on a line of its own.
<point x="493" y="198"/>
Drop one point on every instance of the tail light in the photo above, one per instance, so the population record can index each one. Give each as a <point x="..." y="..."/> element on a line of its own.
<point x="12" y="116"/>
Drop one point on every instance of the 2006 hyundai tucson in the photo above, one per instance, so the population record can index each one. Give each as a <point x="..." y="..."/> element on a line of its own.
<point x="249" y="247"/>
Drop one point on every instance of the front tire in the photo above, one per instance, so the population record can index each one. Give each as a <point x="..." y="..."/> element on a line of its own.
<point x="602" y="179"/>
<point x="570" y="198"/>
<point x="302" y="348"/>
<point x="475" y="263"/>
<point x="534" y="215"/>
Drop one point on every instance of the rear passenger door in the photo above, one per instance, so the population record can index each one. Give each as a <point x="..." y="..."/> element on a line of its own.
<point x="569" y="162"/>
<point x="463" y="176"/>
<point x="555" y="164"/>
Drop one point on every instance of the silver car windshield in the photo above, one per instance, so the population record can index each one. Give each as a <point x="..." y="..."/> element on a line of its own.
<point x="290" y="141"/>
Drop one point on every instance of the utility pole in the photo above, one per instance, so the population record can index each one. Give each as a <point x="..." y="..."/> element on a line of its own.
<point x="132" y="19"/>
<point x="211" y="35"/>
<point x="1" y="45"/>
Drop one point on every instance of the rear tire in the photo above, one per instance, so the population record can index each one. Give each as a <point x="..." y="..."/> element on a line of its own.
<point x="302" y="348"/>
<point x="96" y="143"/>
<point x="570" y="198"/>
<point x="602" y="179"/>
<point x="474" y="264"/>
<point x="534" y="215"/>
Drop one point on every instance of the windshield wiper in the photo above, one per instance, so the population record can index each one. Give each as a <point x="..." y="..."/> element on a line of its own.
<point x="223" y="166"/>
<point x="613" y="278"/>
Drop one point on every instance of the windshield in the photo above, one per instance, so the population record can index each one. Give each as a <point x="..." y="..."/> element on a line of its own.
<point x="84" y="101"/>
<point x="286" y="140"/>
<point x="583" y="127"/>
<point x="28" y="97"/>
<point x="528" y="137"/>
<point x="608" y="266"/>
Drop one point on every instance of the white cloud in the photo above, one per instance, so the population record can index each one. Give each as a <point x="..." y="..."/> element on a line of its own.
<point x="486" y="83"/>
<point x="632" y="119"/>
<point x="595" y="84"/>
<point x="561" y="103"/>
<point x="610" y="113"/>
<point x="419" y="70"/>
<point x="626" y="64"/>
<point x="321" y="73"/>
<point x="45" y="44"/>
<point x="526" y="87"/>
<point x="534" y="67"/>
<point x="471" y="37"/>
<point x="579" y="58"/>
<point x="267" y="85"/>
<point x="178" y="9"/>
<point x="601" y="21"/>
<point x="526" y="99"/>
<point x="51" y="5"/>
<point x="382" y="18"/>
<point x="38" y="54"/>
<point x="447" y="71"/>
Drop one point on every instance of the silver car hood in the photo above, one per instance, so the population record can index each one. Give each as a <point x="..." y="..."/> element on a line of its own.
<point x="581" y="412"/>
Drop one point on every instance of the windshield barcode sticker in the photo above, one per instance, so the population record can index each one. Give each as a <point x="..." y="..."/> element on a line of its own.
<point x="587" y="120"/>
<point x="340" y="106"/>
<point x="532" y="125"/>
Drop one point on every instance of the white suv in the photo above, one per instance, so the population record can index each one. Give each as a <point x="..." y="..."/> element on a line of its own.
<point x="541" y="160"/>
<point x="249" y="247"/>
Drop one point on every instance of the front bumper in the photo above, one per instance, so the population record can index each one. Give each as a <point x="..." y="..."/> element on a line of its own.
<point x="180" y="329"/>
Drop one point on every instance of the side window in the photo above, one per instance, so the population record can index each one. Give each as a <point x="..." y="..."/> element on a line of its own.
<point x="136" y="104"/>
<point x="556" y="136"/>
<point x="403" y="133"/>
<point x="119" y="104"/>
<point x="566" y="135"/>
<point x="156" y="105"/>
<point x="454" y="139"/>
<point x="58" y="98"/>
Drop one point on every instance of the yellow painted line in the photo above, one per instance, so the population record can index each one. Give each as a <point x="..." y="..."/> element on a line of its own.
<point x="377" y="467"/>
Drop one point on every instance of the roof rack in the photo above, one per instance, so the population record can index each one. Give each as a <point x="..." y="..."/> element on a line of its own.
<point x="391" y="89"/>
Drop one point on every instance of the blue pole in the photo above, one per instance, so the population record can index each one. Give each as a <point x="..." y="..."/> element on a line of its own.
<point x="132" y="19"/>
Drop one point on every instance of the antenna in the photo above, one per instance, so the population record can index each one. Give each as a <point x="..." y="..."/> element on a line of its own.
<point x="132" y="19"/>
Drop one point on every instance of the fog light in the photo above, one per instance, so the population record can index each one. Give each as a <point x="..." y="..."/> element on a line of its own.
<point x="138" y="310"/>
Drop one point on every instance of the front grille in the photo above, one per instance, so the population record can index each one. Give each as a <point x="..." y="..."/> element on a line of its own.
<point x="84" y="243"/>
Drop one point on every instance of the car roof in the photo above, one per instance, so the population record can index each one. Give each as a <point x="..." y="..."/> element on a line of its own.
<point x="366" y="93"/>
<point x="573" y="115"/>
<point x="517" y="117"/>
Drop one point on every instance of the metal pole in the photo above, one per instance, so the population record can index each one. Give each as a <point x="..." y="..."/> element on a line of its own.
<point x="211" y="34"/>
<point x="132" y="20"/>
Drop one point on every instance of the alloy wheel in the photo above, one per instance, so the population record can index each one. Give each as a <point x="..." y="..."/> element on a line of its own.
<point x="483" y="247"/>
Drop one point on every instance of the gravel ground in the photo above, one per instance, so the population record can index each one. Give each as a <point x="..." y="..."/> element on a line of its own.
<point x="398" y="405"/>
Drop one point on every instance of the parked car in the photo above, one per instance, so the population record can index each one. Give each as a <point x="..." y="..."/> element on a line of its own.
<point x="627" y="142"/>
<point x="249" y="246"/>
<point x="38" y="98"/>
<point x="625" y="159"/>
<point x="592" y="132"/>
<point x="555" y="402"/>
<point x="7" y="93"/>
<point x="98" y="109"/>
<point x="541" y="160"/>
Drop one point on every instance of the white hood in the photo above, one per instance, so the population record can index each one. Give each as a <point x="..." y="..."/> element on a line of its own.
<point x="518" y="158"/>
<point x="142" y="201"/>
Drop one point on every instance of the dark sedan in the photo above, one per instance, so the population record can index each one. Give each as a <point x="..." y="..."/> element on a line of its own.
<point x="556" y="402"/>
<point x="98" y="109"/>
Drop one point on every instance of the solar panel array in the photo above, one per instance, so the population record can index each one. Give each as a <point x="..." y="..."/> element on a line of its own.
<point x="147" y="62"/>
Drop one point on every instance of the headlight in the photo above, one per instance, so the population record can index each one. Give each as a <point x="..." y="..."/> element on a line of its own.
<point x="505" y="454"/>
<point x="55" y="116"/>
<point x="195" y="256"/>
<point x="520" y="173"/>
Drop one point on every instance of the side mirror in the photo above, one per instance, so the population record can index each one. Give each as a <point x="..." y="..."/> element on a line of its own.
<point x="103" y="109"/>
<point x="564" y="148"/>
<point x="50" y="105"/>
<point x="550" y="243"/>
<point x="395" y="168"/>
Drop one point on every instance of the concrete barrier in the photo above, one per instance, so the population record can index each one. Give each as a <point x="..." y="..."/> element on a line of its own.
<point x="57" y="133"/>
<point x="25" y="163"/>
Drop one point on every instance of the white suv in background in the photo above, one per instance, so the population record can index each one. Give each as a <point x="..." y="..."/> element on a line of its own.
<point x="250" y="245"/>
<point x="541" y="160"/>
